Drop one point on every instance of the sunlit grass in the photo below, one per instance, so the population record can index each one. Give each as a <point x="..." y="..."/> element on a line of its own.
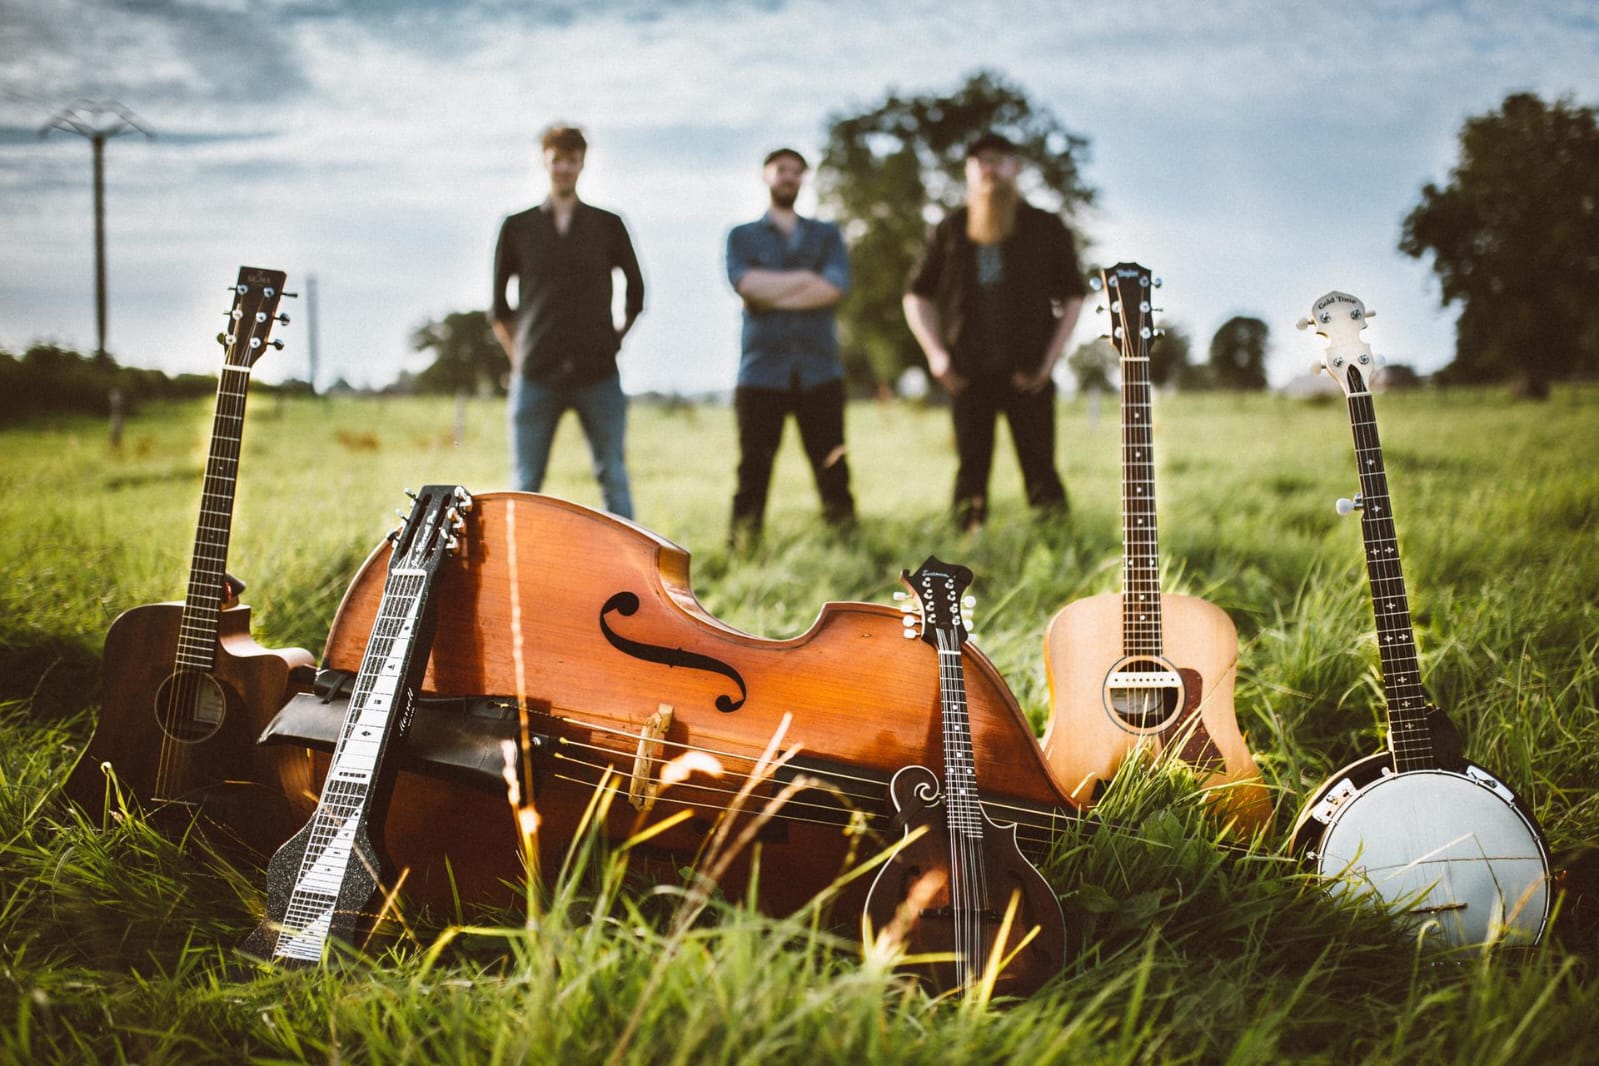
<point x="118" y="941"/>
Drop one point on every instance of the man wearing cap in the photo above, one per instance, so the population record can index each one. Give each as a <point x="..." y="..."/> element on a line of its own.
<point x="992" y="301"/>
<point x="561" y="337"/>
<point x="791" y="272"/>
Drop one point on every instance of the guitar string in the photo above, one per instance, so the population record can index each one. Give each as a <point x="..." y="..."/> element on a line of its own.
<point x="1141" y="607"/>
<point x="345" y="800"/>
<point x="1410" y="741"/>
<point x="197" y="638"/>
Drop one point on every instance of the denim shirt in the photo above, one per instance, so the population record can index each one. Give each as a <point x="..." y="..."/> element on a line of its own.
<point x="785" y="349"/>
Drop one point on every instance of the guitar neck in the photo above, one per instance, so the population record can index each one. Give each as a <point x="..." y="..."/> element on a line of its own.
<point x="197" y="635"/>
<point x="1141" y="619"/>
<point x="379" y="708"/>
<point x="961" y="801"/>
<point x="1408" y="733"/>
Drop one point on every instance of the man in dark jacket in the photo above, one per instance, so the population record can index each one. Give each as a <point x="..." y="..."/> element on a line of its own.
<point x="992" y="301"/>
<point x="561" y="337"/>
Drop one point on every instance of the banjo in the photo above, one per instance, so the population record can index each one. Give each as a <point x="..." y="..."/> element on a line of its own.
<point x="1416" y="828"/>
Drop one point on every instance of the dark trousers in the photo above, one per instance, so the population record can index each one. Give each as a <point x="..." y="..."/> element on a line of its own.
<point x="819" y="413"/>
<point x="1031" y="417"/>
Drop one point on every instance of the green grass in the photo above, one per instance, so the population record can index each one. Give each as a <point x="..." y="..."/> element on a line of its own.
<point x="117" y="945"/>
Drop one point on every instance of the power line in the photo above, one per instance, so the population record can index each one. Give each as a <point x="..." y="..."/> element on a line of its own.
<point x="98" y="121"/>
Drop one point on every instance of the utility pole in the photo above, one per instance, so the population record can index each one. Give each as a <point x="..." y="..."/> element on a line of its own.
<point x="97" y="120"/>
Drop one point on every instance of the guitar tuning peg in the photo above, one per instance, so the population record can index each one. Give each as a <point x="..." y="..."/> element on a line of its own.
<point x="401" y="513"/>
<point x="284" y="319"/>
<point x="1096" y="283"/>
<point x="968" y="602"/>
<point x="1303" y="323"/>
<point x="901" y="594"/>
<point x="1158" y="282"/>
<point x="222" y="339"/>
<point x="291" y="296"/>
<point x="277" y="344"/>
<point x="463" y="499"/>
<point x="1346" y="505"/>
<point x="410" y="495"/>
<point x="1317" y="367"/>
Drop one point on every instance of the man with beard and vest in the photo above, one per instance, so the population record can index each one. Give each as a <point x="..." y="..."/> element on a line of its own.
<point x="791" y="272"/>
<point x="992" y="301"/>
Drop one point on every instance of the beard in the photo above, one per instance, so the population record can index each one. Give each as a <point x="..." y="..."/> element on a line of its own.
<point x="991" y="212"/>
<point x="784" y="200"/>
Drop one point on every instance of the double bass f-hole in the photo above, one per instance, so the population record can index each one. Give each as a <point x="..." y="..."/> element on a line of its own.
<point x="626" y="604"/>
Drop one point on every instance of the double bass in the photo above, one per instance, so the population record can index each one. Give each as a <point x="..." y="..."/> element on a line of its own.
<point x="585" y="626"/>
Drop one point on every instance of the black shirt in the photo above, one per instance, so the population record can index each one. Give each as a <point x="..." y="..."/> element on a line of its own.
<point x="564" y="331"/>
<point x="1038" y="271"/>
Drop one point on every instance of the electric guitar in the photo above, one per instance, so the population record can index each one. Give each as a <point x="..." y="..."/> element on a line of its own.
<point x="1416" y="827"/>
<point x="958" y="887"/>
<point x="186" y="691"/>
<point x="320" y="884"/>
<point x="1144" y="669"/>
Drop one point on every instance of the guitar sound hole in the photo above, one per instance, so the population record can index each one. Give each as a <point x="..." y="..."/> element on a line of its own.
<point x="190" y="706"/>
<point x="1143" y="694"/>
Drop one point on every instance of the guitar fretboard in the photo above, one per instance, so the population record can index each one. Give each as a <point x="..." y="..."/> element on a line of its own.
<point x="1408" y="732"/>
<point x="380" y="690"/>
<point x="197" y="633"/>
<point x="1128" y="284"/>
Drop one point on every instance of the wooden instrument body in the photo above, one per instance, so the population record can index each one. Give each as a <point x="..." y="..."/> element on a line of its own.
<point x="244" y="793"/>
<point x="859" y="699"/>
<point x="1086" y="740"/>
<point x="1456" y="851"/>
<point x="931" y="928"/>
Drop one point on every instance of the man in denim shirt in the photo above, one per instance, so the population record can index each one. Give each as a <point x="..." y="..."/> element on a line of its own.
<point x="790" y="272"/>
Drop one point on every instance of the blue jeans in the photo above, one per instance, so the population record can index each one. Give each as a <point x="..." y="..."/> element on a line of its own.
<point x="534" y="410"/>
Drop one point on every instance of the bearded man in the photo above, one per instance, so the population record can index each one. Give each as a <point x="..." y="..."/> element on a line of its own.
<point x="791" y="272"/>
<point x="992" y="301"/>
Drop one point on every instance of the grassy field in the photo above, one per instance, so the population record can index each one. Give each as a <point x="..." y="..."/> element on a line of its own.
<point x="119" y="945"/>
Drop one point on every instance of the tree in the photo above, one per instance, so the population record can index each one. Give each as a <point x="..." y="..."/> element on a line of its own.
<point x="1168" y="356"/>
<point x="1238" y="354"/>
<point x="1513" y="237"/>
<point x="889" y="171"/>
<point x="469" y="356"/>
<point x="1094" y="365"/>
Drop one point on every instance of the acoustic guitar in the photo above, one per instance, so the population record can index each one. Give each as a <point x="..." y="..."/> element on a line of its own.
<point x="957" y="888"/>
<point x="320" y="884"/>
<point x="186" y="690"/>
<point x="1141" y="669"/>
<point x="1416" y="828"/>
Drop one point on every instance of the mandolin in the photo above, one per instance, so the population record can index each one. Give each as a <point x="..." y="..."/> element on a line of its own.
<point x="186" y="690"/>
<point x="1142" y="669"/>
<point x="1417" y="828"/>
<point x="321" y="882"/>
<point x="957" y="888"/>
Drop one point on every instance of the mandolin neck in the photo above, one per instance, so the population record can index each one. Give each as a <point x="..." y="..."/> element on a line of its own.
<point x="961" y="801"/>
<point x="1409" y="735"/>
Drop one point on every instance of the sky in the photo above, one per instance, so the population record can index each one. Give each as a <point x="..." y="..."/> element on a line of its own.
<point x="1253" y="155"/>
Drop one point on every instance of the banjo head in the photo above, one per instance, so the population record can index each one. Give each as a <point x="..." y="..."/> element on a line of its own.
<point x="1449" y="851"/>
